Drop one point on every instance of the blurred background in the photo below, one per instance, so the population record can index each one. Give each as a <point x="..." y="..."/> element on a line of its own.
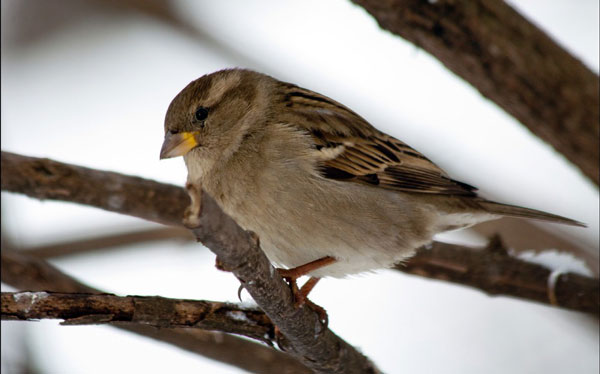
<point x="88" y="82"/>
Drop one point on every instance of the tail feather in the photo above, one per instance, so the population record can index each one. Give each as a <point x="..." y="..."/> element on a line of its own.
<point x="517" y="211"/>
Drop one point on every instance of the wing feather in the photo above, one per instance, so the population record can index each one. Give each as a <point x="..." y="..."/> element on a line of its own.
<point x="362" y="153"/>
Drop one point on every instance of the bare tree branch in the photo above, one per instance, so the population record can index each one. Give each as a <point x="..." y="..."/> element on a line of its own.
<point x="86" y="309"/>
<point x="42" y="178"/>
<point x="511" y="62"/>
<point x="73" y="247"/>
<point x="238" y="251"/>
<point x="25" y="272"/>
<point x="493" y="271"/>
<point x="525" y="236"/>
<point x="46" y="179"/>
<point x="229" y="349"/>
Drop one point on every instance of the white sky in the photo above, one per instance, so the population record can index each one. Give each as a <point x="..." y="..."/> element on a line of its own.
<point x="95" y="94"/>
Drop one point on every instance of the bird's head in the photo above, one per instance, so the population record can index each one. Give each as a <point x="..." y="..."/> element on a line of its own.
<point x="211" y="116"/>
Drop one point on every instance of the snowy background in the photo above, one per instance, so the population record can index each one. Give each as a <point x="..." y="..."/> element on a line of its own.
<point x="93" y="86"/>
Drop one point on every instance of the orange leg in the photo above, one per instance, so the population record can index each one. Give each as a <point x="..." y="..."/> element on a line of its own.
<point x="306" y="288"/>
<point x="301" y="295"/>
<point x="302" y="298"/>
<point x="301" y="270"/>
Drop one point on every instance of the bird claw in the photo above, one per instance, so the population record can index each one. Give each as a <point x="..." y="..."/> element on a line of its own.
<point x="239" y="293"/>
<point x="300" y="295"/>
<point x="321" y="312"/>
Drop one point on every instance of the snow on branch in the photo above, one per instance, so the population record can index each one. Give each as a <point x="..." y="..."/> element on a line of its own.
<point x="25" y="272"/>
<point x="494" y="271"/>
<point x="91" y="309"/>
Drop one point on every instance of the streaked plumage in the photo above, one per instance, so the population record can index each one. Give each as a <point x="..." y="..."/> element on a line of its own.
<point x="314" y="179"/>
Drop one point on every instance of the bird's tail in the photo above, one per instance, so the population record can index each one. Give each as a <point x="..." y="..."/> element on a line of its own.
<point x="517" y="211"/>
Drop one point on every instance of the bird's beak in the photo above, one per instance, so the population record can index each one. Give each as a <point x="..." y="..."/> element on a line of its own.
<point x="178" y="144"/>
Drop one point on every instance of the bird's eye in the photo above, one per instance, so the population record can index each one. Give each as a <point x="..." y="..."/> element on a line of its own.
<point x="201" y="113"/>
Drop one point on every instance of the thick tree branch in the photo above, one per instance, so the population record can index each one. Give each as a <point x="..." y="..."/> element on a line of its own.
<point x="41" y="178"/>
<point x="237" y="250"/>
<point x="86" y="309"/>
<point x="46" y="179"/>
<point x="511" y="62"/>
<point x="25" y="272"/>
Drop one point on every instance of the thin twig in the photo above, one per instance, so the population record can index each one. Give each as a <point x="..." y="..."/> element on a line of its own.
<point x="27" y="273"/>
<point x="511" y="62"/>
<point x="86" y="309"/>
<point x="111" y="241"/>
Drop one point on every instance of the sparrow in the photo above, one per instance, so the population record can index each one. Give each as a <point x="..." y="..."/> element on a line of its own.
<point x="326" y="192"/>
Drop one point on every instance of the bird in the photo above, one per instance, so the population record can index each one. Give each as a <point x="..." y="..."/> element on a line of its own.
<point x="327" y="193"/>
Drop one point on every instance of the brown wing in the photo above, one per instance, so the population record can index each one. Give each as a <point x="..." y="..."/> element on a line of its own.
<point x="350" y="149"/>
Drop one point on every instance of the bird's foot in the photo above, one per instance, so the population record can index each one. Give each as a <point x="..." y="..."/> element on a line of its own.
<point x="300" y="295"/>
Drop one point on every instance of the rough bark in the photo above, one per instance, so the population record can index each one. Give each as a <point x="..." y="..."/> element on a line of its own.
<point x="238" y="251"/>
<point x="27" y="273"/>
<point x="86" y="309"/>
<point x="138" y="197"/>
<point x="493" y="271"/>
<point x="511" y="62"/>
<point x="41" y="178"/>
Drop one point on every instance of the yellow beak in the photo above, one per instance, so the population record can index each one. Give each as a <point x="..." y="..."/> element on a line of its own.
<point x="178" y="144"/>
